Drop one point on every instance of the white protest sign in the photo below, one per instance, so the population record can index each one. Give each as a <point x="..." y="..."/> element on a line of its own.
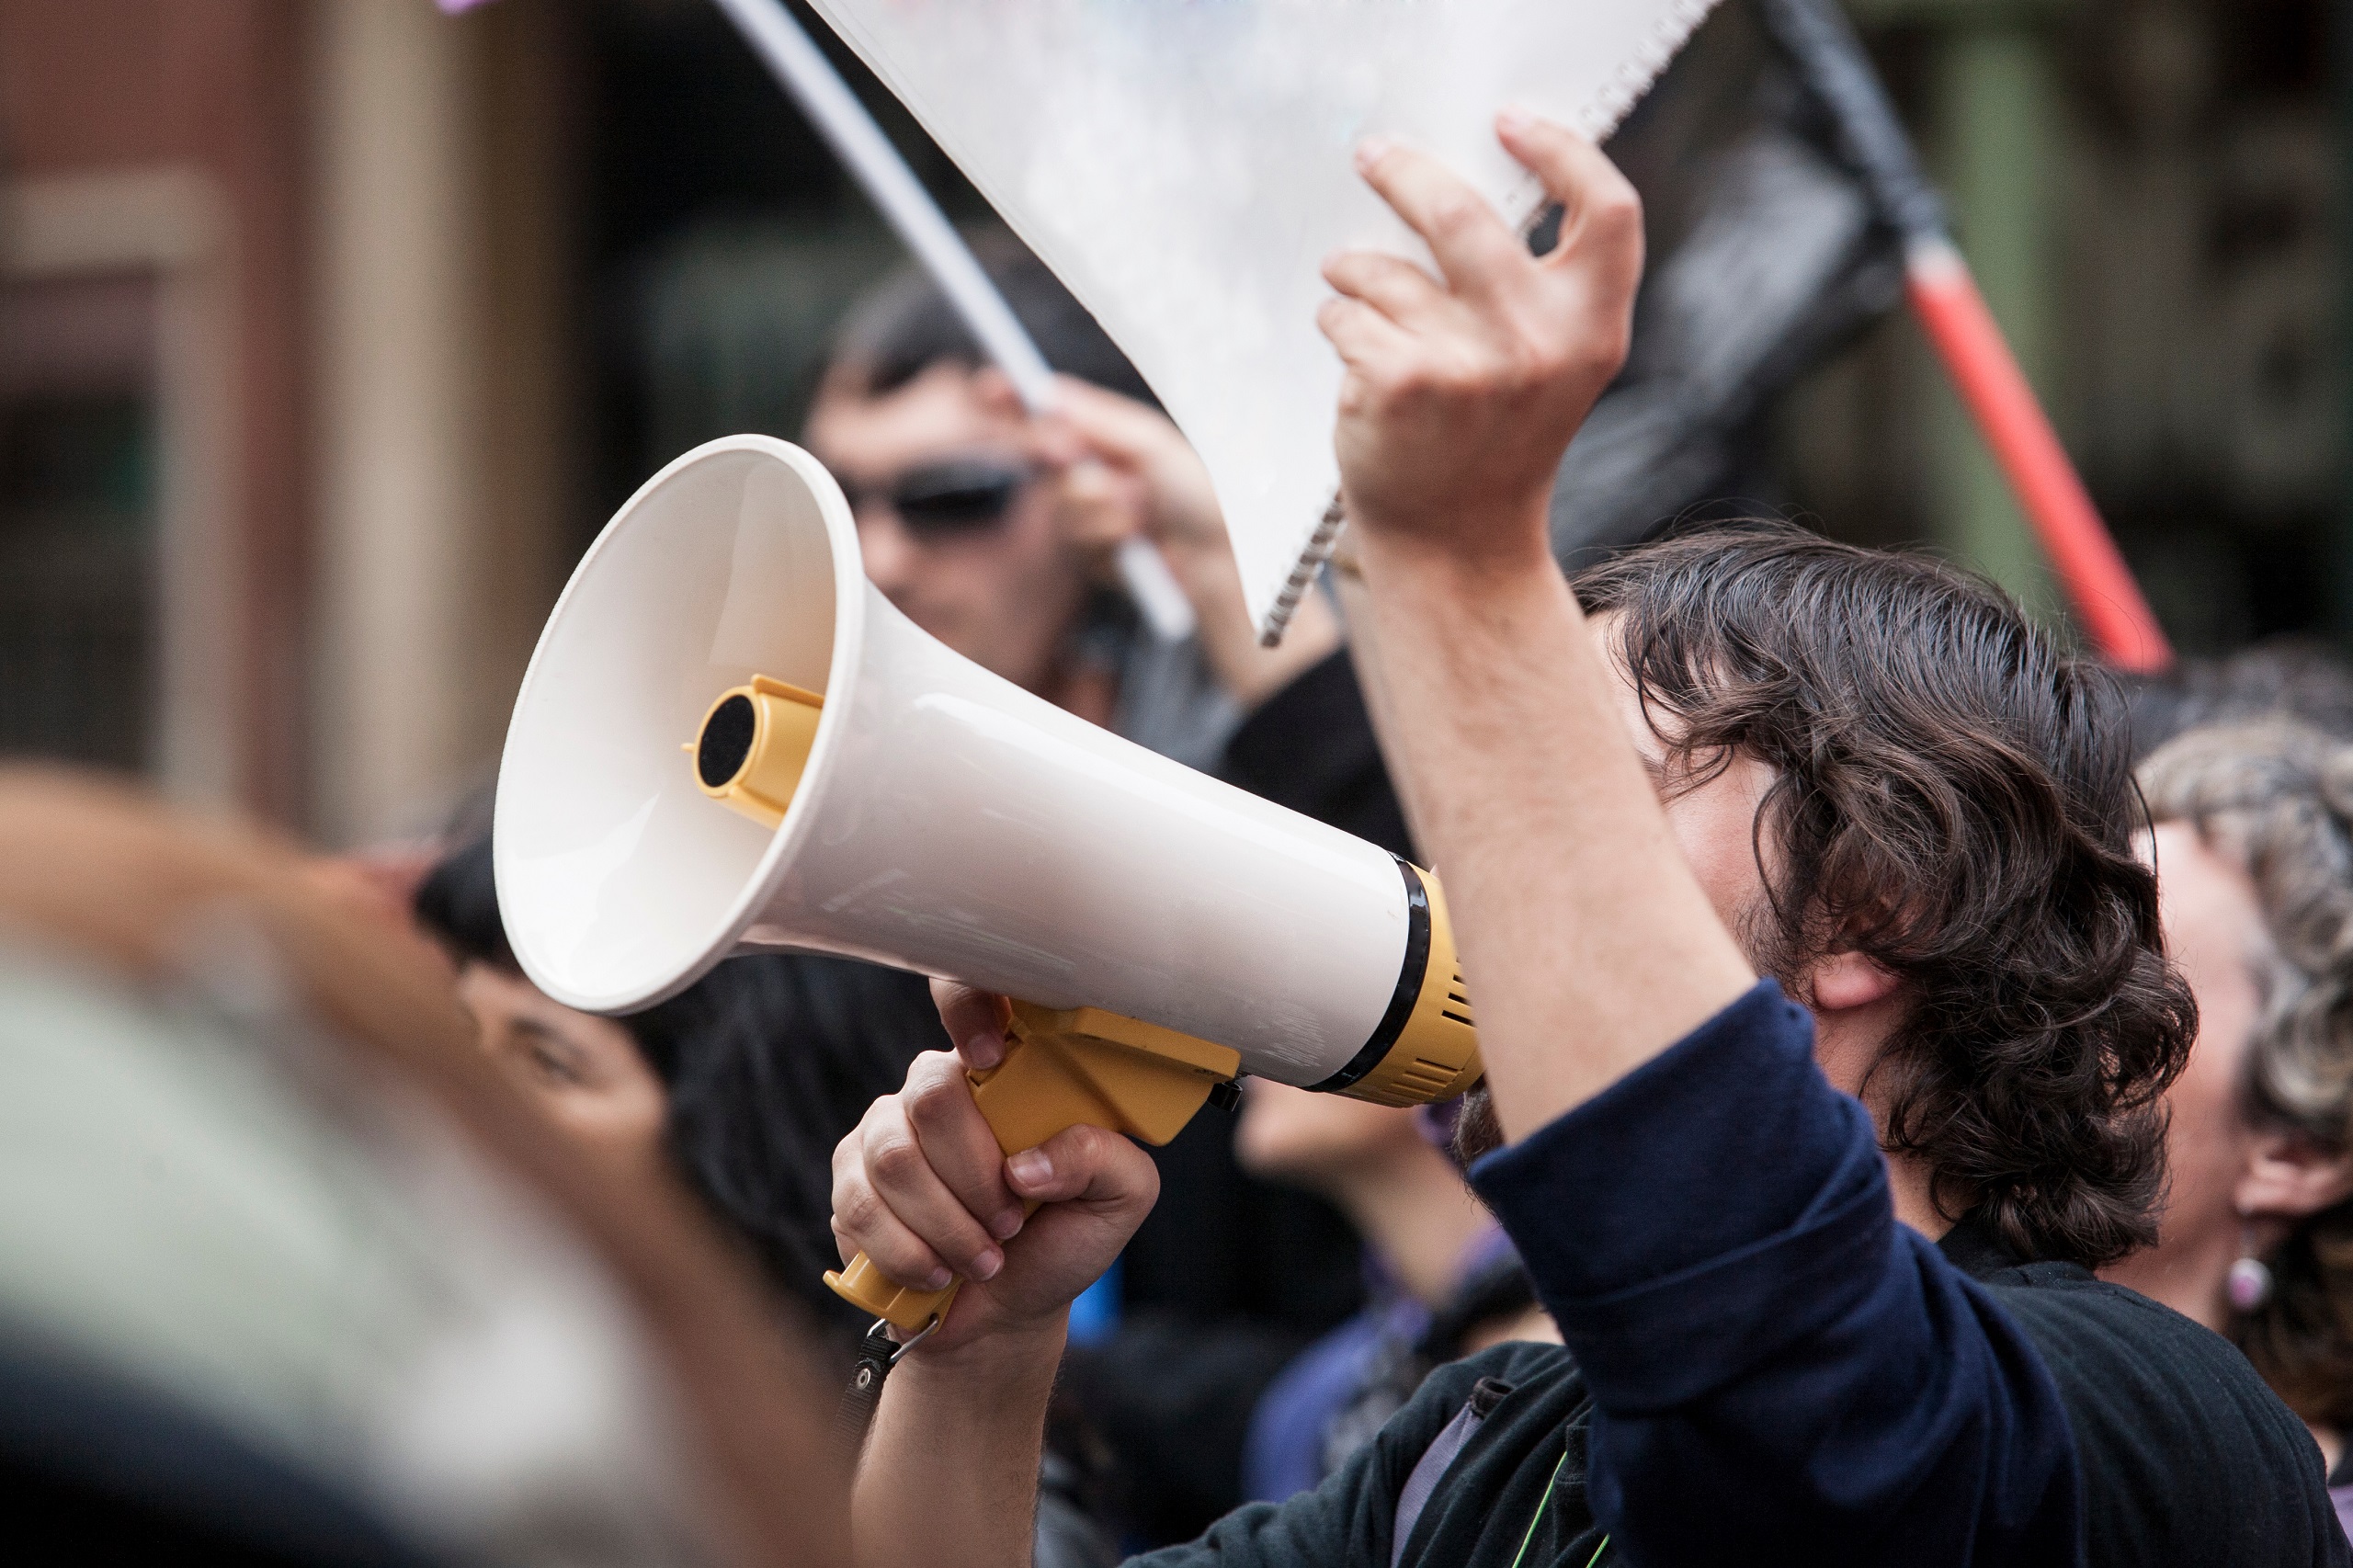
<point x="1185" y="166"/>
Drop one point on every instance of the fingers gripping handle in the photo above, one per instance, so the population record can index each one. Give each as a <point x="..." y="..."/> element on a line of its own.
<point x="1077" y="1067"/>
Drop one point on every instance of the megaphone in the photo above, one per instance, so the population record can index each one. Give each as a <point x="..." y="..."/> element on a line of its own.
<point x="728" y="739"/>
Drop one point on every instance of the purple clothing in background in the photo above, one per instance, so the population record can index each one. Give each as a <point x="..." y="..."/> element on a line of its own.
<point x="1287" y="1449"/>
<point x="1284" y="1451"/>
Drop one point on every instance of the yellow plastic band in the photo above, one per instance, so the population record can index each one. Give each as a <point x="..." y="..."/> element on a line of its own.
<point x="1436" y="1053"/>
<point x="753" y="743"/>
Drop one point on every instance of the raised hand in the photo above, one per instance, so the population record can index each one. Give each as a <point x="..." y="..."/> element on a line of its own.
<point x="1462" y="391"/>
<point x="1124" y="470"/>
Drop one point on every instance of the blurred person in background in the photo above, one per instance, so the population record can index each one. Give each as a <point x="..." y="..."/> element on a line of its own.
<point x="994" y="531"/>
<point x="736" y="1090"/>
<point x="1443" y="1281"/>
<point x="2296" y="676"/>
<point x="738" y="1087"/>
<point x="2254" y="847"/>
<point x="288" y="1277"/>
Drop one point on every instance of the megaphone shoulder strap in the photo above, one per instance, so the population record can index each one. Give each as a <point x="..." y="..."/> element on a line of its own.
<point x="877" y="1353"/>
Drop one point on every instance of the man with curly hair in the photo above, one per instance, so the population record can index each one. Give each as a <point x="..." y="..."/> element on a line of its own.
<point x="1820" y="1244"/>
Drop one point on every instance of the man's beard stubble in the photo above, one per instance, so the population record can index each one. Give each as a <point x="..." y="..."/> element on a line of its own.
<point x="1476" y="1131"/>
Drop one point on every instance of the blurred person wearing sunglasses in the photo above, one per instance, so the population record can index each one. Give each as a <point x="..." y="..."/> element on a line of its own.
<point x="994" y="531"/>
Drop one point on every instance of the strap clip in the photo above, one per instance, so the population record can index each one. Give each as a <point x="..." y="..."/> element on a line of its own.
<point x="877" y="1353"/>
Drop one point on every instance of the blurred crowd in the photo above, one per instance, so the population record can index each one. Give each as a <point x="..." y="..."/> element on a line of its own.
<point x="325" y="1237"/>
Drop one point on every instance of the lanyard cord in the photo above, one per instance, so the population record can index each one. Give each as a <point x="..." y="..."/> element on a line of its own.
<point x="1538" y="1517"/>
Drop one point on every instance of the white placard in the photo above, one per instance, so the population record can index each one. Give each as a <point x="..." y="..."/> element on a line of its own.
<point x="1185" y="166"/>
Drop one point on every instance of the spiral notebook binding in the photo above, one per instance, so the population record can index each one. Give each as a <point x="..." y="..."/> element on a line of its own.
<point x="1616" y="97"/>
<point x="1623" y="90"/>
<point x="1317" y="551"/>
<point x="1599" y="117"/>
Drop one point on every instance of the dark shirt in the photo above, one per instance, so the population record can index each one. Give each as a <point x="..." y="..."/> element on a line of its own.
<point x="1311" y="747"/>
<point x="1764" y="1367"/>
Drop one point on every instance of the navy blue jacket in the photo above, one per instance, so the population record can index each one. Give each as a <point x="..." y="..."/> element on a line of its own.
<point x="1762" y="1366"/>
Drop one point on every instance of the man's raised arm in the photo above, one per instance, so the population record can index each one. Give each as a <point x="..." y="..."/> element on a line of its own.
<point x="1590" y="946"/>
<point x="1777" y="1365"/>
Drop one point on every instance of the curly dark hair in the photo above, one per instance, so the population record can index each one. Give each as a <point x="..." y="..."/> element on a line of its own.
<point x="1954" y="799"/>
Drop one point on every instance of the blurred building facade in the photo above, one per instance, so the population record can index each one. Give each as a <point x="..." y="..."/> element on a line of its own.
<point x="330" y="330"/>
<point x="285" y="328"/>
<point x="152" y="589"/>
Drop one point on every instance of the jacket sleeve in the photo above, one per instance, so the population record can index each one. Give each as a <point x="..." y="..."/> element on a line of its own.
<point x="1781" y="1372"/>
<point x="1348" y="1518"/>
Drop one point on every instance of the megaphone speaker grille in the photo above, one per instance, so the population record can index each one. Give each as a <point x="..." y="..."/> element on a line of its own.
<point x="726" y="742"/>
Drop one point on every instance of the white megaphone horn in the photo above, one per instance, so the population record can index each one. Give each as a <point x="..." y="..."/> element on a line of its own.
<point x="728" y="741"/>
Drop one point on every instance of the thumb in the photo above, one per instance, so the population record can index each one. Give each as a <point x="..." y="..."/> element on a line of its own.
<point x="975" y="1021"/>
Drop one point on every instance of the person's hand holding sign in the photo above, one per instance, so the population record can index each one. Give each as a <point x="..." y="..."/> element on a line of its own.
<point x="1499" y="715"/>
<point x="1463" y="393"/>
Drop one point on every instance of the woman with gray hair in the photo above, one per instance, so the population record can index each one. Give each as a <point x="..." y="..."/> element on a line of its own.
<point x="2254" y="846"/>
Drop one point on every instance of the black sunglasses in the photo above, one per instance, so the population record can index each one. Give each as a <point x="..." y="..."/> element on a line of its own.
<point x="941" y="500"/>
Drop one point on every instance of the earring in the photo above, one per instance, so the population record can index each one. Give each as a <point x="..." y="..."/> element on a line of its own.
<point x="2249" y="1284"/>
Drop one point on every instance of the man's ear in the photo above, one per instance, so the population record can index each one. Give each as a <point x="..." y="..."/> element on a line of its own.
<point x="2291" y="1175"/>
<point x="1840" y="980"/>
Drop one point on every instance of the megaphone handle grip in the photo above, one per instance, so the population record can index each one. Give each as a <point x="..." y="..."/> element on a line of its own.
<point x="870" y="1289"/>
<point x="1061" y="1070"/>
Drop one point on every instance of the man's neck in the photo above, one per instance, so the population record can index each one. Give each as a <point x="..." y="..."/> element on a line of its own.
<point x="1910" y="1183"/>
<point x="1849" y="1044"/>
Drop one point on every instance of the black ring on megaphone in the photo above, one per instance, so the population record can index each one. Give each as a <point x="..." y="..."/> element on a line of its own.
<point x="1410" y="975"/>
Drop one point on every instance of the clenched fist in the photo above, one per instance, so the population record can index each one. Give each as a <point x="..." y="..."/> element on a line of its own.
<point x="921" y="1187"/>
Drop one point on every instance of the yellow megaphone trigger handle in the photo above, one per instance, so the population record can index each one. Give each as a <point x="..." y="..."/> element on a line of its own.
<point x="752" y="744"/>
<point x="1074" y="1067"/>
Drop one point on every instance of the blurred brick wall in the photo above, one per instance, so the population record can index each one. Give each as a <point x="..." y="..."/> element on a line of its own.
<point x="219" y="87"/>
